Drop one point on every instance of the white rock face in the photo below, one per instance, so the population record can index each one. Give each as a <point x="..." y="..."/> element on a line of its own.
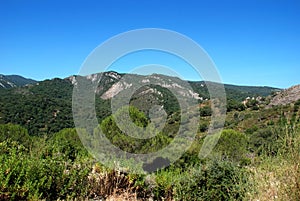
<point x="121" y="84"/>
<point x="151" y="90"/>
<point x="195" y="95"/>
<point x="145" y="81"/>
<point x="115" y="89"/>
<point x="93" y="77"/>
<point x="73" y="80"/>
<point x="190" y="93"/>
<point x="11" y="84"/>
<point x="173" y="85"/>
<point x="113" y="75"/>
<point x="4" y="82"/>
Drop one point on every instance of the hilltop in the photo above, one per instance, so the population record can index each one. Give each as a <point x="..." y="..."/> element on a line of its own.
<point x="10" y="81"/>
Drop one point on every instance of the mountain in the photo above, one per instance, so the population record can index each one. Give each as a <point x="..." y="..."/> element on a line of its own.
<point x="286" y="96"/>
<point x="46" y="107"/>
<point x="113" y="83"/>
<point x="10" y="81"/>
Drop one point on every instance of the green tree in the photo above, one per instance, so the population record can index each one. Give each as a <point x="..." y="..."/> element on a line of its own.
<point x="67" y="143"/>
<point x="15" y="133"/>
<point x="127" y="143"/>
<point x="205" y="111"/>
<point x="232" y="145"/>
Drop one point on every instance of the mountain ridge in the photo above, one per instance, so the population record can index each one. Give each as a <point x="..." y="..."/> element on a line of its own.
<point x="11" y="81"/>
<point x="110" y="86"/>
<point x="46" y="107"/>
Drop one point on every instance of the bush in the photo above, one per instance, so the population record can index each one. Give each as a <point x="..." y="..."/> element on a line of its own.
<point x="215" y="181"/>
<point x="127" y="143"/>
<point x="232" y="145"/>
<point x="66" y="143"/>
<point x="205" y="111"/>
<point x="15" y="133"/>
<point x="203" y="127"/>
<point x="23" y="177"/>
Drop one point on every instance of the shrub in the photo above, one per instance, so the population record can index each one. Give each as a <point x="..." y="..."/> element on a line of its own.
<point x="15" y="133"/>
<point x="127" y="143"/>
<point x="232" y="145"/>
<point x="66" y="143"/>
<point x="219" y="180"/>
<point x="205" y="111"/>
<point x="24" y="177"/>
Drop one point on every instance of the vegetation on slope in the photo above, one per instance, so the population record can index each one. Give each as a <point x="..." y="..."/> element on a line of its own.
<point x="256" y="158"/>
<point x="58" y="166"/>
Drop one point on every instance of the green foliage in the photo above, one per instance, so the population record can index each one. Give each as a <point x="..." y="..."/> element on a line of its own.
<point x="235" y="105"/>
<point x="45" y="108"/>
<point x="203" y="126"/>
<point x="25" y="177"/>
<point x="15" y="133"/>
<point x="103" y="108"/>
<point x="276" y="137"/>
<point x="235" y="93"/>
<point x="264" y="140"/>
<point x="169" y="101"/>
<point x="215" y="181"/>
<point x="49" y="162"/>
<point x="41" y="109"/>
<point x="165" y="182"/>
<point x="232" y="145"/>
<point x="67" y="144"/>
<point x="128" y="143"/>
<point x="205" y="111"/>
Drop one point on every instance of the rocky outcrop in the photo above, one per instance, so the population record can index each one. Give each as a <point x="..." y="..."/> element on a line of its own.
<point x="286" y="96"/>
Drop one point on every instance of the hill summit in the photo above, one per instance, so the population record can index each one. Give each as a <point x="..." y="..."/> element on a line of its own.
<point x="10" y="81"/>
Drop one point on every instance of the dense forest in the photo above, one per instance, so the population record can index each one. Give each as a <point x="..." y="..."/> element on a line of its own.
<point x="46" y="107"/>
<point x="42" y="158"/>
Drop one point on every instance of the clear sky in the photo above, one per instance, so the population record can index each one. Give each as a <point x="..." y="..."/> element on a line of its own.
<point x="252" y="42"/>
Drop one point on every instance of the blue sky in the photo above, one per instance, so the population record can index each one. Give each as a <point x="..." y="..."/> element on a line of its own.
<point x="252" y="42"/>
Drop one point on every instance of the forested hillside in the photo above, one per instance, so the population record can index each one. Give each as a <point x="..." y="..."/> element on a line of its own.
<point x="46" y="107"/>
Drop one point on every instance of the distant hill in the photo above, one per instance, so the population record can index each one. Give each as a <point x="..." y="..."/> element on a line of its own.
<point x="235" y="92"/>
<point x="10" y="81"/>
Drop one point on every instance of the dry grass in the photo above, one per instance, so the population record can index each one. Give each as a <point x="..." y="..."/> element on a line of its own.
<point x="111" y="184"/>
<point x="277" y="179"/>
<point x="122" y="197"/>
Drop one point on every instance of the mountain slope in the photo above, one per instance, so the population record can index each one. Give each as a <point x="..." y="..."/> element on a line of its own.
<point x="10" y="81"/>
<point x="286" y="96"/>
<point x="46" y="107"/>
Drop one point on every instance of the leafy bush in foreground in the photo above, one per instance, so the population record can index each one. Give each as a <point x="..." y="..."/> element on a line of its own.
<point x="215" y="181"/>
<point x="232" y="145"/>
<point x="25" y="177"/>
<point x="15" y="133"/>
